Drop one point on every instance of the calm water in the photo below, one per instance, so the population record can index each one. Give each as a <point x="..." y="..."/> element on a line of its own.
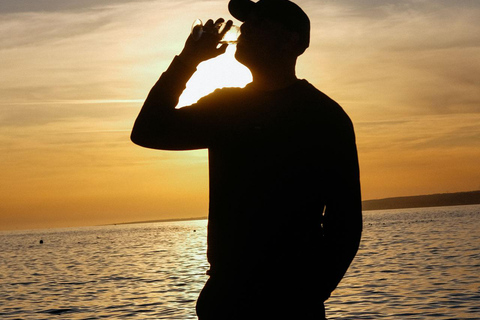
<point x="412" y="264"/>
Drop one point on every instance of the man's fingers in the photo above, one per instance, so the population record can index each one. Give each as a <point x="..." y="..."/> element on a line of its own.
<point x="209" y="24"/>
<point x="219" y="20"/>
<point x="219" y="27"/>
<point x="227" y="27"/>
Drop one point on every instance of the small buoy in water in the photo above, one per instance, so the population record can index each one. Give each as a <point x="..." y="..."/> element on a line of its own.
<point x="41" y="241"/>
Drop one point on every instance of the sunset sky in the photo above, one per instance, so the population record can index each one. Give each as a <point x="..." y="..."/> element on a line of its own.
<point x="74" y="75"/>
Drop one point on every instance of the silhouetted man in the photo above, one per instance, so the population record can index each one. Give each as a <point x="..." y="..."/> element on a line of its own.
<point x="285" y="208"/>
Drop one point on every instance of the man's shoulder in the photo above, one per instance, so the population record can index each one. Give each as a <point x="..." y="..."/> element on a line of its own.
<point x="220" y="99"/>
<point x="225" y="93"/>
<point x="310" y="93"/>
<point x="317" y="101"/>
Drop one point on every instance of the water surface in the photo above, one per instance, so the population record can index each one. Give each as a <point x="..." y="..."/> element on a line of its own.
<point x="412" y="264"/>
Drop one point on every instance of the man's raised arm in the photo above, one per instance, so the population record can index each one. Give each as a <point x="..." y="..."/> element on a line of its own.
<point x="159" y="125"/>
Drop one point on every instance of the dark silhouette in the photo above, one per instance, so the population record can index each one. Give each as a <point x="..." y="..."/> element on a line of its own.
<point x="285" y="208"/>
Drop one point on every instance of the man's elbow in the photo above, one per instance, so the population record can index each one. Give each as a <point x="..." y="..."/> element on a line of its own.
<point x="137" y="138"/>
<point x="134" y="138"/>
<point x="142" y="138"/>
<point x="153" y="140"/>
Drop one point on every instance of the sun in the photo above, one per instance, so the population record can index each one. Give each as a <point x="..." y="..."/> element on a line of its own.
<point x="219" y="72"/>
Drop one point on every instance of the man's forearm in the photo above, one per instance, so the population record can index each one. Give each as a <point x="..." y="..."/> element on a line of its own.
<point x="165" y="93"/>
<point x="340" y="250"/>
<point x="161" y="102"/>
<point x="342" y="231"/>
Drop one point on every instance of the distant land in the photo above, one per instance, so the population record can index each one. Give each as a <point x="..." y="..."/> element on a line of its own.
<point x="431" y="200"/>
<point x="161" y="220"/>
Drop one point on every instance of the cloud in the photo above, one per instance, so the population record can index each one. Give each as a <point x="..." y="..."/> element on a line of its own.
<point x="57" y="112"/>
<point x="21" y="6"/>
<point x="439" y="132"/>
<point x="34" y="28"/>
<point x="419" y="57"/>
<point x="54" y="56"/>
<point x="419" y="154"/>
<point x="99" y="53"/>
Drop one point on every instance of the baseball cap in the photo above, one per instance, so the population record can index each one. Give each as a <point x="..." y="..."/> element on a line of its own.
<point x="285" y="12"/>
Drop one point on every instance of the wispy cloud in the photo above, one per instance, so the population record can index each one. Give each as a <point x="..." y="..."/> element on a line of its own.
<point x="21" y="6"/>
<point x="98" y="53"/>
<point x="56" y="112"/>
<point x="409" y="56"/>
<point x="440" y="132"/>
<point x="36" y="28"/>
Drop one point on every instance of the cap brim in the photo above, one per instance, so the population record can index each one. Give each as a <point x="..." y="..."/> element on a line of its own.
<point x="240" y="9"/>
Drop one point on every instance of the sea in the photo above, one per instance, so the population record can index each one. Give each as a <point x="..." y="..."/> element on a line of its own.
<point x="421" y="263"/>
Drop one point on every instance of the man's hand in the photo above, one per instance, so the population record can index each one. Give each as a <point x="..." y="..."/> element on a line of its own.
<point x="205" y="48"/>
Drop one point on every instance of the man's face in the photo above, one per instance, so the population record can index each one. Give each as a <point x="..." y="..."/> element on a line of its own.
<point x="261" y="40"/>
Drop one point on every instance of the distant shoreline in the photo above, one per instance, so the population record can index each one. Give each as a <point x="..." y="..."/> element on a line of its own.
<point x="423" y="201"/>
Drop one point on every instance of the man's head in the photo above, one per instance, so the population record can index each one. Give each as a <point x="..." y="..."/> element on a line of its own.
<point x="284" y="13"/>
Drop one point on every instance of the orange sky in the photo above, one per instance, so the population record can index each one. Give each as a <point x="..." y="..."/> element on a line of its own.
<point x="74" y="74"/>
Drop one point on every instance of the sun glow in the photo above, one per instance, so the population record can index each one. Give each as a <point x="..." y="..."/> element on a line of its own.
<point x="222" y="71"/>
